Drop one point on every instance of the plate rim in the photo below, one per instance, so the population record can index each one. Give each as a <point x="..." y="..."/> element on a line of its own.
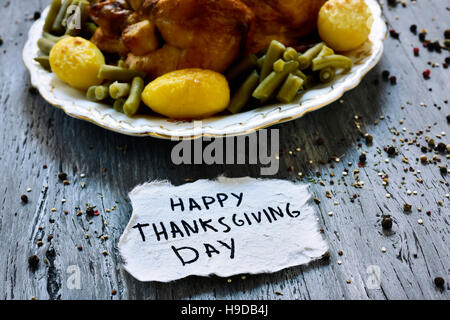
<point x="190" y="134"/>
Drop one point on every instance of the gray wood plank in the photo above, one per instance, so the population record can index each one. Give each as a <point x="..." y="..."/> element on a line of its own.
<point x="34" y="134"/>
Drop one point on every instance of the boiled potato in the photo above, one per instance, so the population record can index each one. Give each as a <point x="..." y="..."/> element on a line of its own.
<point x="344" y="24"/>
<point x="188" y="94"/>
<point x="76" y="61"/>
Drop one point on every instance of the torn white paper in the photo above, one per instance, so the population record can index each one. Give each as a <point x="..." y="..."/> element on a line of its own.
<point x="223" y="227"/>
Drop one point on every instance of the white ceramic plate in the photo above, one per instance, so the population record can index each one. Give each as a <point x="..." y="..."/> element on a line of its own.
<point x="74" y="103"/>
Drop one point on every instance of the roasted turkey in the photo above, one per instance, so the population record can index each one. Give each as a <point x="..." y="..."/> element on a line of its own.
<point x="159" y="36"/>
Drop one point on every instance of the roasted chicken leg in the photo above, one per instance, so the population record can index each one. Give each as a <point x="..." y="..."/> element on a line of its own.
<point x="208" y="34"/>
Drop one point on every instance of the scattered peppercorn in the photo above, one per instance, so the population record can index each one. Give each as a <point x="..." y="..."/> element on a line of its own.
<point x="407" y="207"/>
<point x="114" y="292"/>
<point x="394" y="34"/>
<point x="62" y="176"/>
<point x="413" y="28"/>
<point x="66" y="182"/>
<point x="80" y="248"/>
<point x="422" y="36"/>
<point x="447" y="34"/>
<point x="391" y="151"/>
<point x="90" y="211"/>
<point x="24" y="198"/>
<point x="33" y="262"/>
<point x="386" y="223"/>
<point x="385" y="75"/>
<point x="439" y="282"/>
<point x="36" y="15"/>
<point x="393" y="80"/>
<point x="441" y="147"/>
<point x="392" y="3"/>
<point x="362" y="158"/>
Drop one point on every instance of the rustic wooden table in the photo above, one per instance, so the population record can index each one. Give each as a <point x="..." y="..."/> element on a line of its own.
<point x="37" y="142"/>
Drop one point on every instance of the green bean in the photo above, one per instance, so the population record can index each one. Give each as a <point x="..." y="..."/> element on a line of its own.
<point x="334" y="61"/>
<point x="300" y="74"/>
<point x="290" y="88"/>
<point x="241" y="68"/>
<point x="327" y="75"/>
<point x="51" y="37"/>
<point x="131" y="106"/>
<point x="119" y="90"/>
<point x="244" y="93"/>
<point x="90" y="28"/>
<point x="275" y="52"/>
<point x="306" y="58"/>
<point x="101" y="92"/>
<point x="309" y="82"/>
<point x="90" y="94"/>
<point x="51" y="16"/>
<point x="118" y="74"/>
<point x="260" y="61"/>
<point x="121" y="63"/>
<point x="278" y="66"/>
<point x="326" y="51"/>
<point x="118" y="105"/>
<point x="273" y="81"/>
<point x="290" y="54"/>
<point x="78" y="19"/>
<point x="45" y="45"/>
<point x="44" y="61"/>
<point x="57" y="27"/>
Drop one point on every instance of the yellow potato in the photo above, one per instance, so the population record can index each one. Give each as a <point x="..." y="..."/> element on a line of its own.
<point x="76" y="61"/>
<point x="344" y="24"/>
<point x="188" y="94"/>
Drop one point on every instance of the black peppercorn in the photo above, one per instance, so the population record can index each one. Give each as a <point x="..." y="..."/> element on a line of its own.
<point x="385" y="75"/>
<point x="413" y="28"/>
<point x="441" y="147"/>
<point x="90" y="211"/>
<point x="33" y="262"/>
<point x="36" y="15"/>
<point x="391" y="151"/>
<point x="439" y="282"/>
<point x="447" y="34"/>
<point x="62" y="176"/>
<point x="393" y="80"/>
<point x="362" y="158"/>
<point x="386" y="223"/>
<point x="392" y="3"/>
<point x="24" y="198"/>
<point x="394" y="34"/>
<point x="422" y="36"/>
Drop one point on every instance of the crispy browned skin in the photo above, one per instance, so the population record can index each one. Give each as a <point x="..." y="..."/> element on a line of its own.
<point x="159" y="36"/>
<point x="111" y="16"/>
<point x="283" y="20"/>
<point x="208" y="34"/>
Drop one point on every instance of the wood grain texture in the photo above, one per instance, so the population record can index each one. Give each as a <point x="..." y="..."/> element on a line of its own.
<point x="33" y="134"/>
